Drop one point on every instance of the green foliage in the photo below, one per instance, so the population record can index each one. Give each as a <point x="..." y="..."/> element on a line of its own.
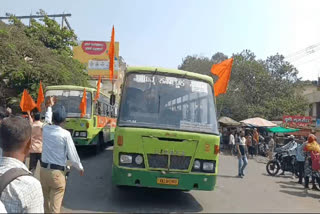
<point x="26" y="58"/>
<point x="52" y="35"/>
<point x="257" y="88"/>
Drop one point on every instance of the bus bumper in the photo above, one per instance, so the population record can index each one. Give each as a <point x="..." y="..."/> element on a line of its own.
<point x="187" y="181"/>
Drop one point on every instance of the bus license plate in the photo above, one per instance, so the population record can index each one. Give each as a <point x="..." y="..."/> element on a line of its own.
<point x="168" y="181"/>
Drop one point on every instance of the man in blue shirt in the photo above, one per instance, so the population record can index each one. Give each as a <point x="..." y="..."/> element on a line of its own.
<point x="300" y="157"/>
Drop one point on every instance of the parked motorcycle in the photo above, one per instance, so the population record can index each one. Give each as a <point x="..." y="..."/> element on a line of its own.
<point x="284" y="159"/>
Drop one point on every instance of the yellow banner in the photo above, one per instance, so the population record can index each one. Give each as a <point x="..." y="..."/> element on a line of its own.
<point x="94" y="54"/>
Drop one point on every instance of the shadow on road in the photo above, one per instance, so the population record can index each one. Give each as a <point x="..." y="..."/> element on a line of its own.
<point x="301" y="193"/>
<point x="94" y="192"/>
<point x="278" y="176"/>
<point x="227" y="176"/>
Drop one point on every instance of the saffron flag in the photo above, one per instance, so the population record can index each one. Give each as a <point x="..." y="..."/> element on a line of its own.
<point x="223" y="71"/>
<point x="83" y="104"/>
<point x="111" y="55"/>
<point x="40" y="99"/>
<point x="27" y="103"/>
<point x="98" y="89"/>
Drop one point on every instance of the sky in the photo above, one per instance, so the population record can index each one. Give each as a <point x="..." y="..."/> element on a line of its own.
<point x="163" y="32"/>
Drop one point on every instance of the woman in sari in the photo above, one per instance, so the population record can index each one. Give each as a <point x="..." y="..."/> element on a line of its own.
<point x="311" y="146"/>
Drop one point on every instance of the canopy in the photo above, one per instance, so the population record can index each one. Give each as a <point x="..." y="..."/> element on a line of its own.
<point x="258" y="122"/>
<point x="281" y="130"/>
<point x="228" y="121"/>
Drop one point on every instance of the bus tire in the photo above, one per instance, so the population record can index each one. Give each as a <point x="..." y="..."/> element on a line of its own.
<point x="99" y="143"/>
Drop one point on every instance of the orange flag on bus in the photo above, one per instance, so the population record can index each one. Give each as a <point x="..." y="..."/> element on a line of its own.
<point x="27" y="103"/>
<point x="111" y="55"/>
<point x="40" y="99"/>
<point x="98" y="89"/>
<point x="83" y="104"/>
<point x="223" y="71"/>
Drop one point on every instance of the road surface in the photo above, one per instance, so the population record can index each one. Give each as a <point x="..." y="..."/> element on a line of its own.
<point x="257" y="192"/>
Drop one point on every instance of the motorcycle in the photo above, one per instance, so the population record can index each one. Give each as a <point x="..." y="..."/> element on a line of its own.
<point x="285" y="160"/>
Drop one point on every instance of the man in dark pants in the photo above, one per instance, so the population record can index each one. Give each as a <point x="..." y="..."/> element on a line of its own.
<point x="36" y="141"/>
<point x="300" y="157"/>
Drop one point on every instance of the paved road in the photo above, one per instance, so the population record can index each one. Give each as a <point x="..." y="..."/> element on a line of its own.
<point x="257" y="192"/>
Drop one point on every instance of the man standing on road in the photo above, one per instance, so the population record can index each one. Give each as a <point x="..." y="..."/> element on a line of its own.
<point x="256" y="141"/>
<point x="243" y="161"/>
<point x="300" y="157"/>
<point x="36" y="141"/>
<point x="231" y="142"/>
<point x="23" y="194"/>
<point x="58" y="146"/>
<point x="272" y="146"/>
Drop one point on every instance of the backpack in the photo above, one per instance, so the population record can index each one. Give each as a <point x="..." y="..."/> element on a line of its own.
<point x="9" y="176"/>
<point x="315" y="159"/>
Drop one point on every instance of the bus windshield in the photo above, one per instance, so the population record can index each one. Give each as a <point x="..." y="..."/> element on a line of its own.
<point x="165" y="102"/>
<point x="71" y="99"/>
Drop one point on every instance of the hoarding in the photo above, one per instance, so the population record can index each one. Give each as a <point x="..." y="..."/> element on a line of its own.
<point x="94" y="54"/>
<point x="297" y="121"/>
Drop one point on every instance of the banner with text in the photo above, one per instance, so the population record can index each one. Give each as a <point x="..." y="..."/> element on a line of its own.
<point x="297" y="121"/>
<point x="94" y="54"/>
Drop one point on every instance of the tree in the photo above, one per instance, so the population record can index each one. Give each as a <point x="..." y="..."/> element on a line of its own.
<point x="263" y="88"/>
<point x="25" y="60"/>
<point x="52" y="35"/>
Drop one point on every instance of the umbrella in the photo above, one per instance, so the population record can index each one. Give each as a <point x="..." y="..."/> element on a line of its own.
<point x="281" y="130"/>
<point x="228" y="121"/>
<point x="258" y="122"/>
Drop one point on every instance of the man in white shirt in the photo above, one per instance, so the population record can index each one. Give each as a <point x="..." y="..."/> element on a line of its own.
<point x="23" y="194"/>
<point x="232" y="141"/>
<point x="58" y="147"/>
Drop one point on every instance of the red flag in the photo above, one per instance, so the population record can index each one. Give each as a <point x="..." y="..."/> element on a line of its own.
<point x="98" y="89"/>
<point x="223" y="71"/>
<point x="27" y="103"/>
<point x="83" y="104"/>
<point x="40" y="99"/>
<point x="111" y="55"/>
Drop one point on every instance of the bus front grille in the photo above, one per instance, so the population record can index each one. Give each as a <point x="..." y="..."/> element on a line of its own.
<point x="158" y="161"/>
<point x="179" y="162"/>
<point x="162" y="161"/>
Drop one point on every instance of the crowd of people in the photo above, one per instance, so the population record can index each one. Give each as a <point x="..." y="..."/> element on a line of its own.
<point x="49" y="143"/>
<point x="303" y="154"/>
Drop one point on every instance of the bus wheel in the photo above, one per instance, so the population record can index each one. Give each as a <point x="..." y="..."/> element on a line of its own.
<point x="99" y="143"/>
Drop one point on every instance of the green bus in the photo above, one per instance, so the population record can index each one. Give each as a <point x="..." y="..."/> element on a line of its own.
<point x="167" y="133"/>
<point x="97" y="127"/>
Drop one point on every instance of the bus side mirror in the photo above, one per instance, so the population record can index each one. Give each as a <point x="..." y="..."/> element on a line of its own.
<point x="112" y="99"/>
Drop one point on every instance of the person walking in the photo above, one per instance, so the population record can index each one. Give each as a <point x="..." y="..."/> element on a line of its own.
<point x="21" y="192"/>
<point x="242" y="158"/>
<point x="232" y="142"/>
<point x="36" y="141"/>
<point x="311" y="148"/>
<point x="58" y="146"/>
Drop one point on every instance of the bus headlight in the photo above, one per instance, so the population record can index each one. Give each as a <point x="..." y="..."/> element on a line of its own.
<point x="132" y="160"/>
<point x="83" y="134"/>
<point x="196" y="164"/>
<point x="125" y="159"/>
<point x="207" y="166"/>
<point x="139" y="159"/>
<point x="76" y="134"/>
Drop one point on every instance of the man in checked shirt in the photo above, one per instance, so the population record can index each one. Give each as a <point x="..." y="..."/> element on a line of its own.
<point x="24" y="194"/>
<point x="58" y="147"/>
